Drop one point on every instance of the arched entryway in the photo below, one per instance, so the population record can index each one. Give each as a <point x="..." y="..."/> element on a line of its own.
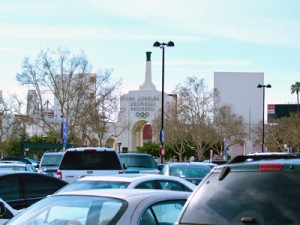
<point x="141" y="133"/>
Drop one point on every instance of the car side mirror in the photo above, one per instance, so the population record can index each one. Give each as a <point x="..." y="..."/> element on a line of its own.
<point x="2" y="209"/>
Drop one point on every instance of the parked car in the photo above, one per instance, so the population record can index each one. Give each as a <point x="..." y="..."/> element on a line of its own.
<point x="50" y="162"/>
<point x="104" y="207"/>
<point x="265" y="192"/>
<point x="192" y="172"/>
<point x="16" y="166"/>
<point x="19" y="159"/>
<point x="6" y="212"/>
<point x="139" y="163"/>
<point x="88" y="161"/>
<point x="22" y="189"/>
<point x="130" y="181"/>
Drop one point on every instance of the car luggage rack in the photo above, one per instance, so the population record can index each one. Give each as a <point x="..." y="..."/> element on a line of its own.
<point x="256" y="157"/>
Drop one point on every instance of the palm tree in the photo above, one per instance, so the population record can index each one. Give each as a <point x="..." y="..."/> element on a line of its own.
<point x="295" y="88"/>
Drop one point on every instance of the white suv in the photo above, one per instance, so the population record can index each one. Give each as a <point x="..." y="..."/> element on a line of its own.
<point x="88" y="161"/>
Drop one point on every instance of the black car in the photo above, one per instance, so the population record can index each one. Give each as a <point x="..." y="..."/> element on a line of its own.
<point x="22" y="189"/>
<point x="247" y="190"/>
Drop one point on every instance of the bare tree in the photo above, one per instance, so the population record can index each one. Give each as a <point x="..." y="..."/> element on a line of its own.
<point x="12" y="123"/>
<point x="196" y="106"/>
<point x="176" y="132"/>
<point x="80" y="97"/>
<point x="229" y="126"/>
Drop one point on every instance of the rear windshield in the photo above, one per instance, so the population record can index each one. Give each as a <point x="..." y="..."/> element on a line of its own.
<point x="51" y="160"/>
<point x="88" y="185"/>
<point x="269" y="197"/>
<point x="141" y="161"/>
<point x="190" y="171"/>
<point x="90" y="161"/>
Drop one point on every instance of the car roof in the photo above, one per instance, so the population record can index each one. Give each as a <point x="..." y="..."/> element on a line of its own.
<point x="135" y="153"/>
<point x="284" y="165"/>
<point x="14" y="164"/>
<point x="130" y="177"/>
<point x="127" y="193"/>
<point x="82" y="149"/>
<point x="14" y="158"/>
<point x="263" y="156"/>
<point x="186" y="164"/>
<point x="54" y="153"/>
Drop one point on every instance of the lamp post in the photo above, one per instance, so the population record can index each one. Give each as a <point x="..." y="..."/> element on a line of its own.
<point x="263" y="123"/>
<point x="162" y="132"/>
<point x="119" y="145"/>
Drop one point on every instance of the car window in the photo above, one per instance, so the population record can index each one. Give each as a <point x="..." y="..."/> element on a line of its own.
<point x="87" y="185"/>
<point x="96" y="160"/>
<point x="51" y="160"/>
<point x="165" y="212"/>
<point x="170" y="185"/>
<point x="143" y="161"/>
<point x="39" y="186"/>
<point x="146" y="185"/>
<point x="9" y="188"/>
<point x="243" y="199"/>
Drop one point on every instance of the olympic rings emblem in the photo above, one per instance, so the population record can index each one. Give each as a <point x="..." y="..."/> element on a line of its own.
<point x="142" y="115"/>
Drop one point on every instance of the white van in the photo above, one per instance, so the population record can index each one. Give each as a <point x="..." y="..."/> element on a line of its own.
<point x="88" y="161"/>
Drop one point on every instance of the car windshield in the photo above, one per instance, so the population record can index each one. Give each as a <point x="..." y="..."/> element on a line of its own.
<point x="261" y="201"/>
<point x="189" y="171"/>
<point x="51" y="160"/>
<point x="142" y="161"/>
<point x="71" y="210"/>
<point x="87" y="185"/>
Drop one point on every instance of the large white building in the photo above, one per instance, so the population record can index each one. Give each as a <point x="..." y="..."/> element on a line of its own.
<point x="239" y="90"/>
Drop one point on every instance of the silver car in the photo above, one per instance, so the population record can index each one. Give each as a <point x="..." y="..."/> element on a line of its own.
<point x="130" y="181"/>
<point x="105" y="206"/>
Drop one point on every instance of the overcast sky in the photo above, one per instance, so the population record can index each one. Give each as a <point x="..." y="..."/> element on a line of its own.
<point x="209" y="35"/>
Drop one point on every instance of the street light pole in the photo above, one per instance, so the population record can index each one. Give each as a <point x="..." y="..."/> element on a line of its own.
<point x="162" y="132"/>
<point x="119" y="145"/>
<point x="263" y="123"/>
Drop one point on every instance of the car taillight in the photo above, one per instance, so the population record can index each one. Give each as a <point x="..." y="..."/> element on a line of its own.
<point x="121" y="172"/>
<point x="58" y="174"/>
<point x="270" y="167"/>
<point x="89" y="150"/>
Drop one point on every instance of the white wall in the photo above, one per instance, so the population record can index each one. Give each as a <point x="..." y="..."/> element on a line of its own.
<point x="239" y="89"/>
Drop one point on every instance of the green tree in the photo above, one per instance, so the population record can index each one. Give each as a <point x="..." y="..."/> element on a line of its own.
<point x="295" y="88"/>
<point x="151" y="148"/>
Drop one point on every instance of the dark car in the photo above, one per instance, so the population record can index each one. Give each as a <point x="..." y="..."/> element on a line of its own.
<point x="22" y="189"/>
<point x="139" y="163"/>
<point x="262" y="191"/>
<point x="193" y="172"/>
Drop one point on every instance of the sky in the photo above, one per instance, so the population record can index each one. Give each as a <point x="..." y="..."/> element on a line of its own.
<point x="209" y="35"/>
